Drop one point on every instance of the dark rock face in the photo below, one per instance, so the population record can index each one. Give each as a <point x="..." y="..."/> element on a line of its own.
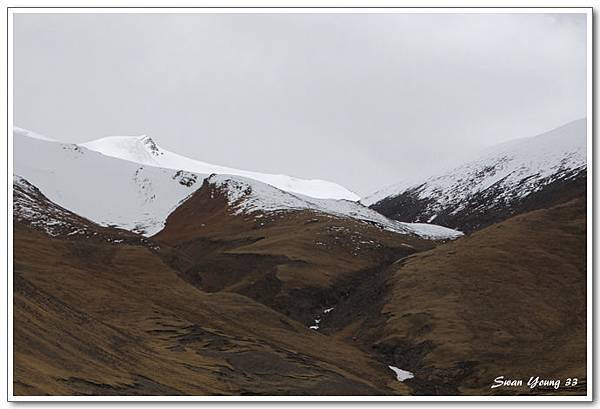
<point x="185" y="178"/>
<point x="484" y="208"/>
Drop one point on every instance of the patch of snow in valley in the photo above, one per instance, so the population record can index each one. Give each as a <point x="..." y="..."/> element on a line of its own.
<point x="401" y="374"/>
<point x="317" y="321"/>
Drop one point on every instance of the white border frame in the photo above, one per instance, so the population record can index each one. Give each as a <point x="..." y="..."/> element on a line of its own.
<point x="133" y="6"/>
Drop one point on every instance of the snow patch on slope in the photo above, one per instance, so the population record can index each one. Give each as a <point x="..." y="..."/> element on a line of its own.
<point x="401" y="374"/>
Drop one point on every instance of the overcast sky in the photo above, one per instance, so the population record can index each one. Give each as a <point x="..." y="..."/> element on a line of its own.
<point x="360" y="99"/>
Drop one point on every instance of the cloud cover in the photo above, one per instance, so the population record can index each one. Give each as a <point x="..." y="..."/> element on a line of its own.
<point x="360" y="99"/>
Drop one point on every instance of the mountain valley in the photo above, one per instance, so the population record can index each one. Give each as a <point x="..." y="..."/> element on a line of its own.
<point x="138" y="271"/>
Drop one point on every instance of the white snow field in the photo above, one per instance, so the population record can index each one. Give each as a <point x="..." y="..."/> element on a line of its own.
<point x="144" y="151"/>
<point x="518" y="167"/>
<point x="138" y="196"/>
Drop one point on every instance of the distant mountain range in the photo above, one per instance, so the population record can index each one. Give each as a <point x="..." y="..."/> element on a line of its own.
<point x="138" y="184"/>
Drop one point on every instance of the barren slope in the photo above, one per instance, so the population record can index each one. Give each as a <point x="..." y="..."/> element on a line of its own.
<point x="295" y="260"/>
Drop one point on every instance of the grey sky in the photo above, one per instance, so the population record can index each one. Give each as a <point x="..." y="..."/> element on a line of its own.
<point x="362" y="100"/>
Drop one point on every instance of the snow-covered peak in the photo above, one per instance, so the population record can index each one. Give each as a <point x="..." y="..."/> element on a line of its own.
<point x="140" y="149"/>
<point x="104" y="189"/>
<point x="143" y="150"/>
<point x="247" y="196"/>
<point x="520" y="166"/>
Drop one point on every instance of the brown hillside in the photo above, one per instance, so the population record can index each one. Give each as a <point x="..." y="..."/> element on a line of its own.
<point x="508" y="300"/>
<point x="297" y="262"/>
<point x="99" y="318"/>
<point x="219" y="303"/>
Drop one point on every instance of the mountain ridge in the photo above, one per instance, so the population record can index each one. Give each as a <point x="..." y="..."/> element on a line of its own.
<point x="513" y="177"/>
<point x="138" y="196"/>
<point x="143" y="150"/>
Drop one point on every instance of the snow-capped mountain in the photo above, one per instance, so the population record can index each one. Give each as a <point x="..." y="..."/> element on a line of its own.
<point x="135" y="185"/>
<point x="103" y="189"/>
<point x="515" y="176"/>
<point x="128" y="182"/>
<point x="143" y="150"/>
